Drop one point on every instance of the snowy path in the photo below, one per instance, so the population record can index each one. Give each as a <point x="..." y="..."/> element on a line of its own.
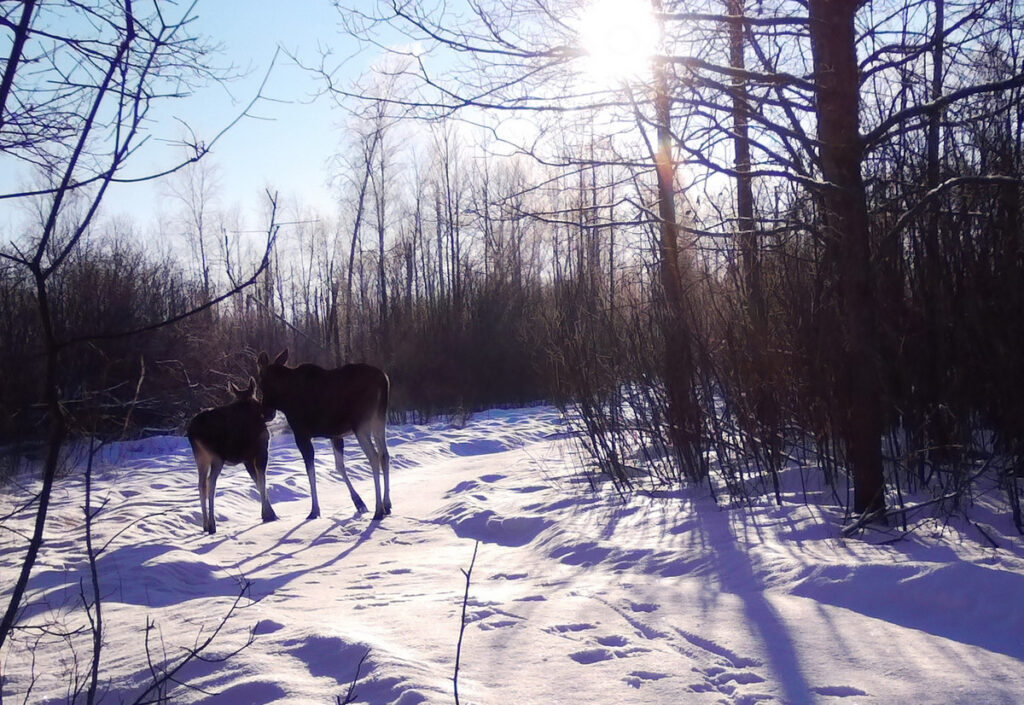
<point x="575" y="596"/>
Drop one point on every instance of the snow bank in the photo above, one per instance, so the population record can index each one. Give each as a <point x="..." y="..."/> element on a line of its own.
<point x="576" y="596"/>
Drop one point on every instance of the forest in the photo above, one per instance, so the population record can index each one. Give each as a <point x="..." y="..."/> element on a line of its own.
<point x="789" y="227"/>
<point x="755" y="244"/>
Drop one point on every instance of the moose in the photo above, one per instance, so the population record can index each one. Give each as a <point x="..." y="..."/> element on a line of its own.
<point x="332" y="403"/>
<point x="234" y="433"/>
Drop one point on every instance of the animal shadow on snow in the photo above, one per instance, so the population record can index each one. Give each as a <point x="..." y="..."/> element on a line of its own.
<point x="143" y="574"/>
<point x="286" y="548"/>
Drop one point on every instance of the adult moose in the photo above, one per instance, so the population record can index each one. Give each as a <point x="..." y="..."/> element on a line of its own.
<point x="235" y="433"/>
<point x="332" y="403"/>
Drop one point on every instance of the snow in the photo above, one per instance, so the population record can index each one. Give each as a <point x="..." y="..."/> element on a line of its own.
<point x="576" y="595"/>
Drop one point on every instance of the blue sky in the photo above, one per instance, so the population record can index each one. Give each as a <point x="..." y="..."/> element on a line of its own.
<point x="286" y="149"/>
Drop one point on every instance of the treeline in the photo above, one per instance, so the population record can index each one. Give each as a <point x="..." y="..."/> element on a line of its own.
<point x="840" y="272"/>
<point x="847" y="277"/>
<point x="450" y="300"/>
<point x="821" y="202"/>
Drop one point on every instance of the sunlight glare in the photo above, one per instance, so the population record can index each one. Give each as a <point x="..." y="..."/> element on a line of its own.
<point x="619" y="37"/>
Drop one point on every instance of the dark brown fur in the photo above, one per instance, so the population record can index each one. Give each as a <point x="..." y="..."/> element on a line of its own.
<point x="230" y="434"/>
<point x="333" y="403"/>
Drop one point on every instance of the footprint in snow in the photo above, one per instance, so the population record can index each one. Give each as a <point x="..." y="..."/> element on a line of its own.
<point x="463" y="486"/>
<point x="509" y="576"/>
<point x="838" y="691"/>
<point x="529" y="489"/>
<point x="589" y="656"/>
<point x="484" y="446"/>
<point x="643" y="606"/>
<point x="563" y="628"/>
<point x="638" y="678"/>
<point x="610" y="647"/>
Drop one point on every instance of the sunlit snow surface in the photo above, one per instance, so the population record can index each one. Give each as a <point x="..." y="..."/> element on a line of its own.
<point x="576" y="596"/>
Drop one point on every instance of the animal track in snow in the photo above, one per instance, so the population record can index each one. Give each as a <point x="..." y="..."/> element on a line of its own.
<point x="643" y="607"/>
<point x="483" y="612"/>
<point x="606" y="650"/>
<point x="721" y="669"/>
<point x="589" y="656"/>
<point x="838" y="691"/>
<point x="486" y="526"/>
<point x="509" y="576"/>
<point x="529" y="489"/>
<point x="563" y="628"/>
<point x="638" y="678"/>
<point x="463" y="486"/>
<point x="707" y="645"/>
<point x="482" y="446"/>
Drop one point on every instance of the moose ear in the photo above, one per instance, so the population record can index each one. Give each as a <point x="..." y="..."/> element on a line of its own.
<point x="233" y="389"/>
<point x="252" y="386"/>
<point x="262" y="360"/>
<point x="282" y="357"/>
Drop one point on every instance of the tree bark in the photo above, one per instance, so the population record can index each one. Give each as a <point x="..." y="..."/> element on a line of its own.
<point x="938" y="434"/>
<point x="855" y="372"/>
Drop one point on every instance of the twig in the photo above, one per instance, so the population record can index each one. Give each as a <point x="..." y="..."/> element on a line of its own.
<point x="95" y="614"/>
<point x="350" y="696"/>
<point x="161" y="680"/>
<point x="868" y="517"/>
<point x="462" y="627"/>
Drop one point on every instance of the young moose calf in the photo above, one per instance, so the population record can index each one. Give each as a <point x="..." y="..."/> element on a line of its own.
<point x="235" y="433"/>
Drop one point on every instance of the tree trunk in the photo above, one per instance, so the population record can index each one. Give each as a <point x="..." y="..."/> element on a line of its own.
<point x="54" y="444"/>
<point x="368" y="152"/>
<point x="938" y="432"/>
<point x="741" y="145"/>
<point x="848" y="248"/>
<point x="683" y="410"/>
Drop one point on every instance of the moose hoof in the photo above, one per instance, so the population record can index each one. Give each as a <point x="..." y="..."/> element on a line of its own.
<point x="210" y="530"/>
<point x="269" y="517"/>
<point x="377" y="516"/>
<point x="315" y="514"/>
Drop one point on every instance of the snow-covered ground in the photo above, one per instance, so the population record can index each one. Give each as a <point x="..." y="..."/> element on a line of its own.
<point x="576" y="596"/>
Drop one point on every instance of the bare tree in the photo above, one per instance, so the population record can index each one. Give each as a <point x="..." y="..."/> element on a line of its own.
<point x="74" y="108"/>
<point x="195" y="188"/>
<point x="854" y="159"/>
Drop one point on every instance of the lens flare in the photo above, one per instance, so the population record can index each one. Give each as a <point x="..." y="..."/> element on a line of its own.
<point x="619" y="38"/>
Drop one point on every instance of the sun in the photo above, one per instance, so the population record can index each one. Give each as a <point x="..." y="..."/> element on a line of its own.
<point x="619" y="38"/>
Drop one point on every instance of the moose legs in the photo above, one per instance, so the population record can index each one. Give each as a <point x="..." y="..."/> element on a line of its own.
<point x="371" y="440"/>
<point x="305" y="445"/>
<point x="368" y="436"/>
<point x="209" y="467"/>
<point x="257" y="469"/>
<point x="338" y="444"/>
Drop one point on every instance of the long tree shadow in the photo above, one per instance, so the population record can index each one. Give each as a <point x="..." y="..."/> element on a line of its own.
<point x="736" y="576"/>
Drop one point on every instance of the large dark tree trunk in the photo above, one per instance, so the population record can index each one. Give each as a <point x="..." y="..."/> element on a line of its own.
<point x="938" y="431"/>
<point x="855" y="369"/>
